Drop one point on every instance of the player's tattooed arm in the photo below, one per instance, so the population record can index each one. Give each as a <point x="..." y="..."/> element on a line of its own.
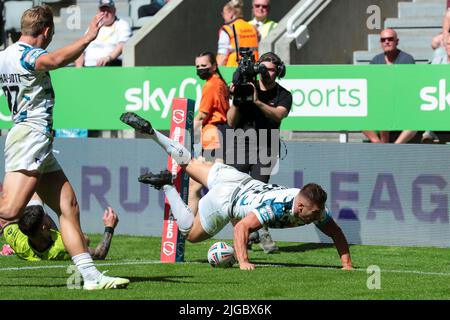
<point x="110" y="220"/>
<point x="100" y="252"/>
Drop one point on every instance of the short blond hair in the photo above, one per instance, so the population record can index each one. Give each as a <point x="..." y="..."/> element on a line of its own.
<point x="237" y="6"/>
<point x="35" y="20"/>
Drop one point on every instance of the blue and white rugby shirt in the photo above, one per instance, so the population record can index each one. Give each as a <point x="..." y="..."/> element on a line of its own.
<point x="272" y="205"/>
<point x="29" y="92"/>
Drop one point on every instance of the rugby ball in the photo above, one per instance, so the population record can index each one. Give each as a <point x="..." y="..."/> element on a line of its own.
<point x="221" y="255"/>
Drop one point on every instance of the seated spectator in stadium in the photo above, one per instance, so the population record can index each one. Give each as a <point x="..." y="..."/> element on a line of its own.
<point x="446" y="25"/>
<point x="261" y="21"/>
<point x="152" y="8"/>
<point x="36" y="237"/>
<point x="106" y="49"/>
<point x="438" y="46"/>
<point x="443" y="59"/>
<point x="390" y="55"/>
<point x="430" y="136"/>
<point x="246" y="34"/>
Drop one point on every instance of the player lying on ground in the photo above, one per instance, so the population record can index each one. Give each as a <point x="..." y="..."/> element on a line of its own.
<point x="36" y="236"/>
<point x="30" y="166"/>
<point x="234" y="196"/>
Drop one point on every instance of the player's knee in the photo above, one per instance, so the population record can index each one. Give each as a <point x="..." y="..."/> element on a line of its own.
<point x="192" y="238"/>
<point x="9" y="212"/>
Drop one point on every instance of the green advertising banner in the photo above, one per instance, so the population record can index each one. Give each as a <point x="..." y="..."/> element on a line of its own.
<point x="325" y="97"/>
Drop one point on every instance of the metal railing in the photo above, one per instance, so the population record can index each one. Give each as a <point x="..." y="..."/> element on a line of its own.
<point x="296" y="26"/>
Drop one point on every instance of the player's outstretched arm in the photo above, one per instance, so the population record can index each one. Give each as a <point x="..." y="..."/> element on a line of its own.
<point x="332" y="230"/>
<point x="61" y="57"/>
<point x="241" y="231"/>
<point x="110" y="220"/>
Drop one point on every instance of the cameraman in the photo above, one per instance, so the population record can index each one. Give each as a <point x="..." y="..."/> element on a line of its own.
<point x="262" y="113"/>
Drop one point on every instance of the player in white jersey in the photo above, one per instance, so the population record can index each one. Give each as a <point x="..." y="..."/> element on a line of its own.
<point x="29" y="162"/>
<point x="237" y="198"/>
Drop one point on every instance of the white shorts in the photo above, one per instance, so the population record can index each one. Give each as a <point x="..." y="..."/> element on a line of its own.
<point x="223" y="180"/>
<point x="29" y="149"/>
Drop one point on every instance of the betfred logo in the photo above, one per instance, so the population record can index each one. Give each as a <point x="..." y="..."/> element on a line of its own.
<point x="169" y="234"/>
<point x="178" y="116"/>
<point x="327" y="97"/>
<point x="168" y="248"/>
<point x="435" y="98"/>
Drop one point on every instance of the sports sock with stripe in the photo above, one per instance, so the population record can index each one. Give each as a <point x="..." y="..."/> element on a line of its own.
<point x="86" y="266"/>
<point x="173" y="148"/>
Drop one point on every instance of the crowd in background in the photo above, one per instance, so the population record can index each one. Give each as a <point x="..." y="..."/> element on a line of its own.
<point x="107" y="49"/>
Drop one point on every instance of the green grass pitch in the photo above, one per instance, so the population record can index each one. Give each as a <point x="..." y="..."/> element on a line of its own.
<point x="299" y="272"/>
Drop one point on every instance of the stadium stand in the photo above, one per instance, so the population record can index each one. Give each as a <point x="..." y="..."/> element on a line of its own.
<point x="183" y="18"/>
<point x="72" y="18"/>
<point x="12" y="12"/>
<point x="136" y="21"/>
<point x="417" y="23"/>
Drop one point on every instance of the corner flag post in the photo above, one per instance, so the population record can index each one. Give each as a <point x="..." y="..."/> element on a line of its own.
<point x="181" y="130"/>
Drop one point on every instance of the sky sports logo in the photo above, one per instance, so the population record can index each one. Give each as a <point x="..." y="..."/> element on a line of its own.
<point x="327" y="97"/>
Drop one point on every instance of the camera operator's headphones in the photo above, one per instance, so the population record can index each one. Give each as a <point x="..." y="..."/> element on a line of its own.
<point x="272" y="57"/>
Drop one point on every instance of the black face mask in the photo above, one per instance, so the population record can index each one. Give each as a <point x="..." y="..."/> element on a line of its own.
<point x="204" y="74"/>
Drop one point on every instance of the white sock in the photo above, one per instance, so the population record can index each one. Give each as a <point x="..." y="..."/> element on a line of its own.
<point x="173" y="148"/>
<point x="180" y="210"/>
<point x="86" y="266"/>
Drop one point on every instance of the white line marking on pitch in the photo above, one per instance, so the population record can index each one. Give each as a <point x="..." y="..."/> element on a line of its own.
<point x="145" y="262"/>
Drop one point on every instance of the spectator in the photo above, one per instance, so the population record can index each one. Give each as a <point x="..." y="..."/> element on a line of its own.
<point x="444" y="59"/>
<point x="247" y="36"/>
<point x="152" y="8"/>
<point x="445" y="25"/>
<point x="438" y="42"/>
<point x="211" y="117"/>
<point x="263" y="24"/>
<point x="438" y="47"/>
<point x="390" y="55"/>
<point x="106" y="49"/>
<point x="271" y="104"/>
<point x="430" y="136"/>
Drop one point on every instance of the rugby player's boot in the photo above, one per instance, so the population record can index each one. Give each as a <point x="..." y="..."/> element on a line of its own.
<point x="157" y="180"/>
<point x="137" y="122"/>
<point x="266" y="242"/>
<point x="105" y="282"/>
